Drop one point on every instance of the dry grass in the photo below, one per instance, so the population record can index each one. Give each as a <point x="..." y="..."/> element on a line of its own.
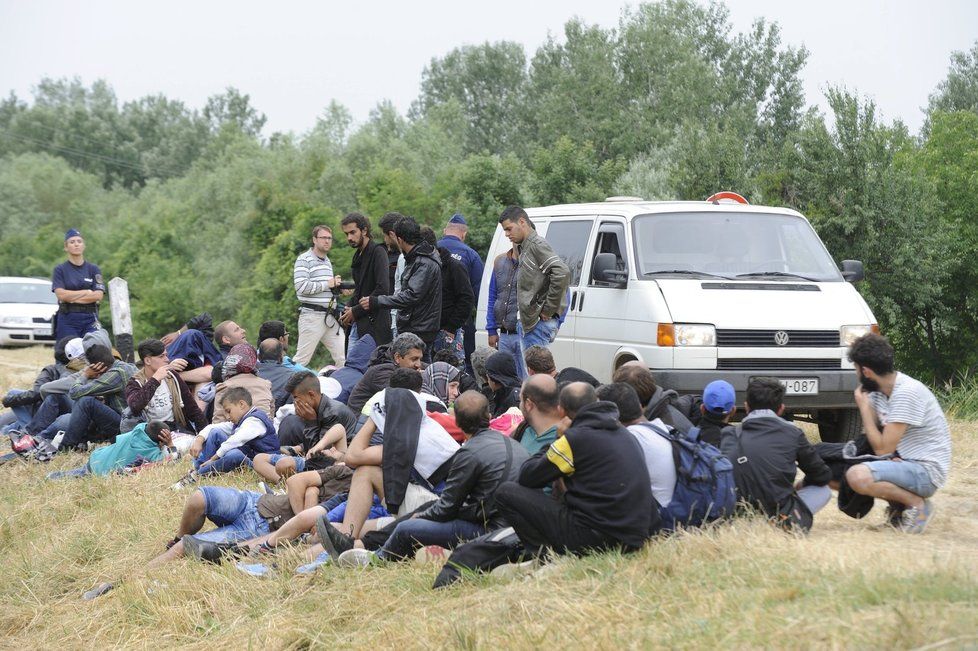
<point x="849" y="584"/>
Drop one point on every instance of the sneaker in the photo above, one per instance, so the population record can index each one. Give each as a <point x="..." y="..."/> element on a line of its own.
<point x="357" y="558"/>
<point x="894" y="516"/>
<point x="915" y="518"/>
<point x="333" y="540"/>
<point x="23" y="444"/>
<point x="44" y="451"/>
<point x="97" y="591"/>
<point x="187" y="480"/>
<point x="322" y="559"/>
<point x="204" y="550"/>
<point x="514" y="570"/>
<point x="430" y="555"/>
<point x="253" y="569"/>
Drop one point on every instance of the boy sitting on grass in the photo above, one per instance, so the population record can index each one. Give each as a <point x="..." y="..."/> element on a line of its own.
<point x="148" y="441"/>
<point x="766" y="452"/>
<point x="223" y="447"/>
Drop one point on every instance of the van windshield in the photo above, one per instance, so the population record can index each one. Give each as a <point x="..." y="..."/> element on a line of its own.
<point x="731" y="245"/>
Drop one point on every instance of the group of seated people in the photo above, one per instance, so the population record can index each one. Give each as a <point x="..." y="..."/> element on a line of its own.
<point x="386" y="458"/>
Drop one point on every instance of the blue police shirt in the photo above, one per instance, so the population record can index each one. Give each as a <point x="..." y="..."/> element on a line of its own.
<point x="72" y="277"/>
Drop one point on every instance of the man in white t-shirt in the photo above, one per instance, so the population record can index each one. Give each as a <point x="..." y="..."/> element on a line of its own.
<point x="658" y="451"/>
<point x="902" y="419"/>
<point x="432" y="458"/>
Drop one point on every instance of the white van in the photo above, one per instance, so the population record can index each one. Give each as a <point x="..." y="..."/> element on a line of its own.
<point x="699" y="291"/>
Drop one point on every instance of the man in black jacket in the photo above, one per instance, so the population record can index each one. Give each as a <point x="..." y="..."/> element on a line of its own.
<point x="371" y="278"/>
<point x="457" y="299"/>
<point x="466" y="508"/>
<point x="766" y="452"/>
<point x="608" y="501"/>
<point x="418" y="299"/>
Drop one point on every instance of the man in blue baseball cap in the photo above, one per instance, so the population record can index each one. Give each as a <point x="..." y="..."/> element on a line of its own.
<point x="719" y="404"/>
<point x="79" y="288"/>
<point x="454" y="240"/>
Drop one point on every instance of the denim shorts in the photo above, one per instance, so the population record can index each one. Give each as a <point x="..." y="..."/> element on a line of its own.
<point x="234" y="512"/>
<point x="300" y="462"/>
<point x="908" y="475"/>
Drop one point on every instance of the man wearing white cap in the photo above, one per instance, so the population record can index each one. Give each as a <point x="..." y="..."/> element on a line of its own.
<point x="79" y="288"/>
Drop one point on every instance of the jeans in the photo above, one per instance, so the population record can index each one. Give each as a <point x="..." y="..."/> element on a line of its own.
<point x="316" y="327"/>
<point x="418" y="532"/>
<point x="195" y="348"/>
<point x="53" y="405"/>
<point x="20" y="416"/>
<point x="510" y="343"/>
<point x="450" y="341"/>
<point x="76" y="473"/>
<point x="300" y="462"/>
<point x="232" y="459"/>
<point x="815" y="497"/>
<point x="907" y="475"/>
<point x="60" y="424"/>
<point x="542" y="334"/>
<point x="541" y="521"/>
<point x="91" y="420"/>
<point x="352" y="337"/>
<point x="234" y="512"/>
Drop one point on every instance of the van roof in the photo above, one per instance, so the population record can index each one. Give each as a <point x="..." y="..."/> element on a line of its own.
<point x="630" y="208"/>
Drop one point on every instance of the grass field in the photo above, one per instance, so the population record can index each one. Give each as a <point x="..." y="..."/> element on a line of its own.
<point x="849" y="584"/>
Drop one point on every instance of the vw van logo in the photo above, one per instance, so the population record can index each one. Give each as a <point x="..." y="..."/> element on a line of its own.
<point x="781" y="338"/>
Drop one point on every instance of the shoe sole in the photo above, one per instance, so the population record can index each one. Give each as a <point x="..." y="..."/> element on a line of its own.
<point x="322" y="528"/>
<point x="191" y="547"/>
<point x="361" y="558"/>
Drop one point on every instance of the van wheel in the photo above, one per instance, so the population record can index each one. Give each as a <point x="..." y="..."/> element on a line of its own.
<point x="840" y="426"/>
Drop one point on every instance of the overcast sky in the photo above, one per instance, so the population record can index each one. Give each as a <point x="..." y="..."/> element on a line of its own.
<point x="294" y="57"/>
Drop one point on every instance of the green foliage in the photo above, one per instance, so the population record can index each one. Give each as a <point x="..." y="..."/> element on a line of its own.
<point x="570" y="173"/>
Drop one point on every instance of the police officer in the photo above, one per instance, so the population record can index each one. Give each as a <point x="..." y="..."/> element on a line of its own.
<point x="79" y="288"/>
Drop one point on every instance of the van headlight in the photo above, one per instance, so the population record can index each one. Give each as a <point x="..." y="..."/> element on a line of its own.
<point x="848" y="334"/>
<point x="15" y="321"/>
<point x="686" y="334"/>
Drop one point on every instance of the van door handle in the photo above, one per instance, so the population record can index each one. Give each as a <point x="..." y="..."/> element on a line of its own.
<point x="580" y="304"/>
<point x="573" y="300"/>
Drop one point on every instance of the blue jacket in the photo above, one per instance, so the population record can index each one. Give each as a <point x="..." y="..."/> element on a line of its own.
<point x="267" y="442"/>
<point x="469" y="258"/>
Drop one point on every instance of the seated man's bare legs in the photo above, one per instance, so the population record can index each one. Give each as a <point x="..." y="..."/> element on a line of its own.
<point x="297" y="525"/>
<point x="367" y="481"/>
<point x="285" y="467"/>
<point x="299" y="486"/>
<point x="263" y="466"/>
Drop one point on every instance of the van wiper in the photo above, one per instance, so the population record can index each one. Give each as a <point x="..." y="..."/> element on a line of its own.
<point x="774" y="274"/>
<point x="685" y="272"/>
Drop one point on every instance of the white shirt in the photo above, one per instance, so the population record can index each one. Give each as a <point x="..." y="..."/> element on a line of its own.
<point x="435" y="445"/>
<point x="658" y="459"/>
<point x="160" y="406"/>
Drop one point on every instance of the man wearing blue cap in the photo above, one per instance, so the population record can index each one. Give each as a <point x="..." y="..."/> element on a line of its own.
<point x="79" y="288"/>
<point x="719" y="404"/>
<point x="454" y="240"/>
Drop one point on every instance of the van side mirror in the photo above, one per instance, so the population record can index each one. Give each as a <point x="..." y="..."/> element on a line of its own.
<point x="852" y="270"/>
<point x="606" y="270"/>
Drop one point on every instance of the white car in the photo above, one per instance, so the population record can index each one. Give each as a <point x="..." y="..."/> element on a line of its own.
<point x="27" y="306"/>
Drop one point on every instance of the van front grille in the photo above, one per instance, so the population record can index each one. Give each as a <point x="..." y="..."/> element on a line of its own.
<point x="778" y="338"/>
<point x="746" y="364"/>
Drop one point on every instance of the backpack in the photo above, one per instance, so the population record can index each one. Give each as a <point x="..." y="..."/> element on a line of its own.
<point x="705" y="488"/>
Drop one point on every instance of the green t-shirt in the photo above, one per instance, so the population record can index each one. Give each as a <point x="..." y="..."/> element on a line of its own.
<point x="533" y="442"/>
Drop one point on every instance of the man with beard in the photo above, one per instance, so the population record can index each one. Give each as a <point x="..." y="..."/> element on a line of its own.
<point x="903" y="421"/>
<point x="418" y="298"/>
<point x="370" y="274"/>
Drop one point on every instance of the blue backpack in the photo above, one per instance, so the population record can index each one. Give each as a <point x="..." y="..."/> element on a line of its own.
<point x="705" y="489"/>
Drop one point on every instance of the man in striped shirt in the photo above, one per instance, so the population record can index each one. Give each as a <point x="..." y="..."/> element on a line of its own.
<point x="905" y="423"/>
<point x="314" y="280"/>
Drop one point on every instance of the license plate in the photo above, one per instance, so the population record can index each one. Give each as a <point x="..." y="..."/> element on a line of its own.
<point x="800" y="386"/>
<point x="42" y="332"/>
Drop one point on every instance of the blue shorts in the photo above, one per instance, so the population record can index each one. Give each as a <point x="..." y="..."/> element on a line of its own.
<point x="300" y="462"/>
<point x="234" y="512"/>
<point x="908" y="475"/>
